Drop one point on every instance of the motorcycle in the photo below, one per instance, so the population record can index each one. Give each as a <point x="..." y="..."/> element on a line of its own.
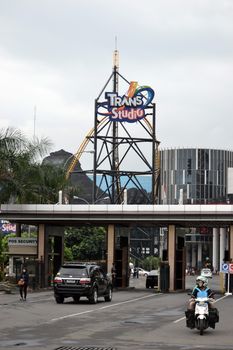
<point x="203" y="316"/>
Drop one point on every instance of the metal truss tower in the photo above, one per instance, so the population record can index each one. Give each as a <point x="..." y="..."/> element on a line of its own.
<point x="125" y="148"/>
<point x="125" y="151"/>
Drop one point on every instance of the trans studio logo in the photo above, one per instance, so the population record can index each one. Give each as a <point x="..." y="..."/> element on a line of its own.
<point x="130" y="107"/>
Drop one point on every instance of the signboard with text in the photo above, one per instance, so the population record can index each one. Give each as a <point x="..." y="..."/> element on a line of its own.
<point x="6" y="227"/>
<point x="22" y="246"/>
<point x="130" y="107"/>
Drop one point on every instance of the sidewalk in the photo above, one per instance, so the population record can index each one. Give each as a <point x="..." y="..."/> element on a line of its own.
<point x="6" y="299"/>
<point x="138" y="283"/>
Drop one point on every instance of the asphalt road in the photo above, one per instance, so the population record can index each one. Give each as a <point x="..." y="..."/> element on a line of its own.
<point x="137" y="318"/>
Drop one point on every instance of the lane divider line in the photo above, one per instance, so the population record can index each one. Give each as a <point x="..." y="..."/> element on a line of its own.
<point x="101" y="308"/>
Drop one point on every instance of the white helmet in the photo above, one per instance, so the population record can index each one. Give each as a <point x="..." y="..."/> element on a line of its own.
<point x="202" y="279"/>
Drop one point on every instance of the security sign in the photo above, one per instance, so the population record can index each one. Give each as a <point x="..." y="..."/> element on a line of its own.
<point x="225" y="267"/>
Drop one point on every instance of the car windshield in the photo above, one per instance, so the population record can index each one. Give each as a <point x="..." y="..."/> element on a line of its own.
<point x="74" y="271"/>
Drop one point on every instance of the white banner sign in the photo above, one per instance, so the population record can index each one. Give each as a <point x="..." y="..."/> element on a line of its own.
<point x="22" y="241"/>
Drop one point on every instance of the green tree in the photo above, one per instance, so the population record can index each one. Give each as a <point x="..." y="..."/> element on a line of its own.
<point x="151" y="263"/>
<point x="68" y="255"/>
<point x="23" y="179"/>
<point x="19" y="166"/>
<point x="4" y="247"/>
<point x="86" y="243"/>
<point x="50" y="179"/>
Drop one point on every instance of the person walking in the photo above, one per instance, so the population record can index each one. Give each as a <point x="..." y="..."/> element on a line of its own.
<point x="23" y="284"/>
<point x="113" y="273"/>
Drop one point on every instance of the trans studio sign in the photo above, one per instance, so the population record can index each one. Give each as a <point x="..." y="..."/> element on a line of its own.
<point x="130" y="107"/>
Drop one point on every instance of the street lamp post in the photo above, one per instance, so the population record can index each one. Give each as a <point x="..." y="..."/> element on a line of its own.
<point x="81" y="199"/>
<point x="84" y="200"/>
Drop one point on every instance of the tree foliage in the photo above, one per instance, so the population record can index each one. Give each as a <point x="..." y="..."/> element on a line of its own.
<point x="23" y="179"/>
<point x="151" y="263"/>
<point x="86" y="243"/>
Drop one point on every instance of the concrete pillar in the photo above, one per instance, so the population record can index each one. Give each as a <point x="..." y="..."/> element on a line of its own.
<point x="188" y="255"/>
<point x="194" y="258"/>
<point x="18" y="230"/>
<point x="110" y="246"/>
<point x="41" y="256"/>
<point x="199" y="255"/>
<point x="41" y="243"/>
<point x="222" y="245"/>
<point x="215" y="249"/>
<point x="171" y="255"/>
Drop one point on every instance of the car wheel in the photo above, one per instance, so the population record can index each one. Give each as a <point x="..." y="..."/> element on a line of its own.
<point x="76" y="299"/>
<point x="108" y="297"/>
<point x="147" y="285"/>
<point x="59" y="299"/>
<point x="94" y="296"/>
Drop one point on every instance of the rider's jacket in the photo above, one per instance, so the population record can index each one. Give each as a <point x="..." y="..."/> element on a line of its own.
<point x="201" y="293"/>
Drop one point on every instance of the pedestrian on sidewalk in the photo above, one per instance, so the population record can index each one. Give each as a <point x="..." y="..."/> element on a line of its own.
<point x="23" y="284"/>
<point x="113" y="273"/>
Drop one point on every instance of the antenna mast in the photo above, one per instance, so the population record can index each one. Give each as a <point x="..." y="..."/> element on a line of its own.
<point x="116" y="187"/>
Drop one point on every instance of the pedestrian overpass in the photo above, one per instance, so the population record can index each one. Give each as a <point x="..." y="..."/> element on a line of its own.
<point x="51" y="220"/>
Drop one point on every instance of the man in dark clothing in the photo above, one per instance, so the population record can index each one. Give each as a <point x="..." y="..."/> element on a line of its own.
<point x="113" y="273"/>
<point x="24" y="286"/>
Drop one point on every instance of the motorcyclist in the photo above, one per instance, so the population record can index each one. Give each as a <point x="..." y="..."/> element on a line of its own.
<point x="200" y="290"/>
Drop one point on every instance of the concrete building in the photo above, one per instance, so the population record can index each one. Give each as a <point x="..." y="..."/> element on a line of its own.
<point x="199" y="176"/>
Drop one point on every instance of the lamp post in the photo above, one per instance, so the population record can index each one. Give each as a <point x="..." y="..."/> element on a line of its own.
<point x="84" y="200"/>
<point x="81" y="199"/>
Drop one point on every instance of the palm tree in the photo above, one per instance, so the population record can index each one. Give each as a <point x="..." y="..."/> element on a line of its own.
<point x="19" y="167"/>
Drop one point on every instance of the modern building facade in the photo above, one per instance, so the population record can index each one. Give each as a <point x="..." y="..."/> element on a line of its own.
<point x="198" y="176"/>
<point x="194" y="175"/>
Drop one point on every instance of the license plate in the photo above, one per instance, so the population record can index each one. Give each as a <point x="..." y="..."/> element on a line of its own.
<point x="70" y="281"/>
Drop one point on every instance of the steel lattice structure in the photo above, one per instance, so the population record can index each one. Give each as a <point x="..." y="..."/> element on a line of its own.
<point x="125" y="153"/>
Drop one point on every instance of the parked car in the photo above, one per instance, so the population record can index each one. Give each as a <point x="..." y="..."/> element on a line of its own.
<point x="142" y="272"/>
<point x="82" y="280"/>
<point x="152" y="279"/>
<point x="206" y="273"/>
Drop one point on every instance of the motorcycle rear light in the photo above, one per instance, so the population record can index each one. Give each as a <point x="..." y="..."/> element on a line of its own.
<point x="57" y="280"/>
<point x="85" y="281"/>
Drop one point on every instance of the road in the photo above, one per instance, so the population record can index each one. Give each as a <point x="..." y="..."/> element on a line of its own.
<point x="137" y="318"/>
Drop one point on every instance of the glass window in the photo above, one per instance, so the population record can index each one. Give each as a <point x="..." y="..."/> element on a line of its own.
<point x="77" y="271"/>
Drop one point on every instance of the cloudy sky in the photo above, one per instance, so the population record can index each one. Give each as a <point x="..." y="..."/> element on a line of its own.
<point x="56" y="56"/>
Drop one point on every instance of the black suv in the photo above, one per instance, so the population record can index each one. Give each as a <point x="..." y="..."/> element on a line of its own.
<point x="82" y="280"/>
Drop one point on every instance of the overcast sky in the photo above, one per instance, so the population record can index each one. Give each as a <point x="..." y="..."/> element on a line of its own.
<point x="57" y="55"/>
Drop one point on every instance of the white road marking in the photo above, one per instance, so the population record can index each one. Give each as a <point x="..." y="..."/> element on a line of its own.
<point x="183" y="318"/>
<point x="101" y="308"/>
<point x="38" y="300"/>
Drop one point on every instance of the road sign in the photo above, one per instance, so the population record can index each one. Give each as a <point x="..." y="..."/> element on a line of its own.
<point x="231" y="268"/>
<point x="225" y="267"/>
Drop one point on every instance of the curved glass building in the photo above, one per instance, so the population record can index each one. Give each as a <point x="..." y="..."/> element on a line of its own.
<point x="194" y="175"/>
